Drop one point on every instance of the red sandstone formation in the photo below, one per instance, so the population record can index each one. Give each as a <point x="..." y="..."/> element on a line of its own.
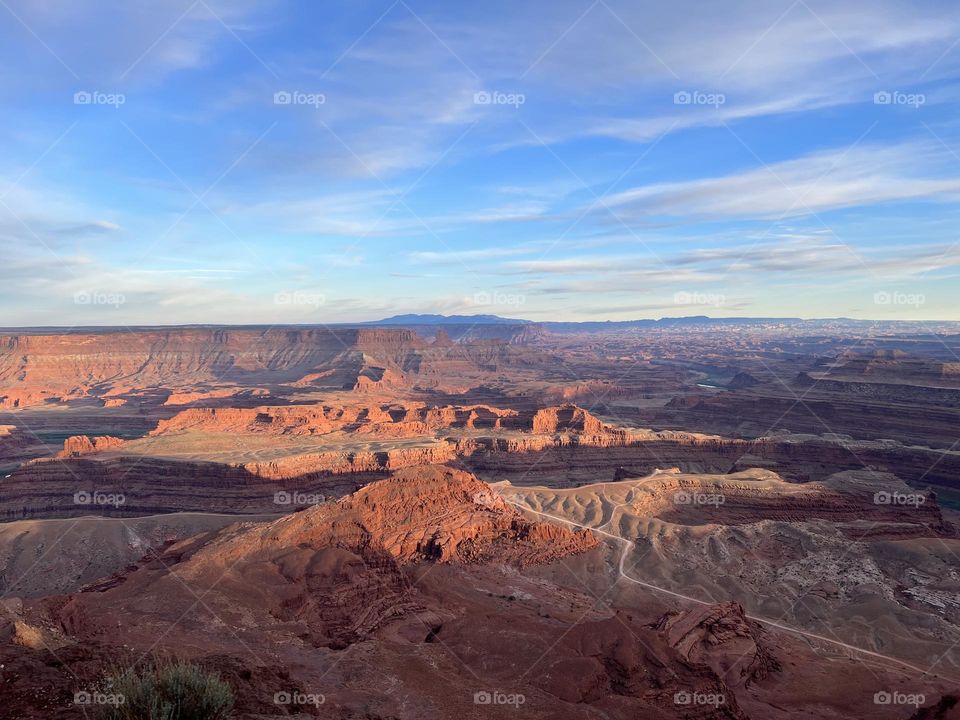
<point x="297" y="420"/>
<point x="388" y="421"/>
<point x="426" y="513"/>
<point x="12" y="398"/>
<point x="188" y="398"/>
<point x="565" y="417"/>
<point x="78" y="445"/>
<point x="377" y="379"/>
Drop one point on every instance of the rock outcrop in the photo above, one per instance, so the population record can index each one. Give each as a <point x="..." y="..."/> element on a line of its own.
<point x="429" y="513"/>
<point x="565" y="418"/>
<point x="78" y="445"/>
<point x="722" y="637"/>
<point x="612" y="657"/>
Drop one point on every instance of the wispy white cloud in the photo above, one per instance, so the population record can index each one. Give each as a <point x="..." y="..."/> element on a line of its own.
<point x="811" y="256"/>
<point x="765" y="58"/>
<point x="861" y="176"/>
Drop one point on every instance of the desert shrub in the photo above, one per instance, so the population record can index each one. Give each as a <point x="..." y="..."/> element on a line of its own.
<point x="169" y="690"/>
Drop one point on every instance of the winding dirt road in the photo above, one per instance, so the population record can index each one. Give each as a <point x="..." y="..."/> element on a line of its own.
<point x="756" y="618"/>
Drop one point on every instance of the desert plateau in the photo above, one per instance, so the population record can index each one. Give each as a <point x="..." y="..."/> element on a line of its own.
<point x="406" y="525"/>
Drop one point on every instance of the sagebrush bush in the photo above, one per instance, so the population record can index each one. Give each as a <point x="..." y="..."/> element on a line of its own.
<point x="170" y="690"/>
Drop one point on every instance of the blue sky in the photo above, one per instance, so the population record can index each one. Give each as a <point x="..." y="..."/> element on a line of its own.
<point x="268" y="161"/>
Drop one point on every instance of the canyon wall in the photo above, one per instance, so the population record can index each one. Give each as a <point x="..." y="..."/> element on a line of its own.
<point x="39" y="368"/>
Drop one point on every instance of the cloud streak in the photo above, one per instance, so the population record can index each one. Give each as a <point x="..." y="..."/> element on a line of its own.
<point x="823" y="181"/>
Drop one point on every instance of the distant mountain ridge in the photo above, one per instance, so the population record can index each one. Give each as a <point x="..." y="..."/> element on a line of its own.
<point x="438" y="319"/>
<point x="572" y="326"/>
